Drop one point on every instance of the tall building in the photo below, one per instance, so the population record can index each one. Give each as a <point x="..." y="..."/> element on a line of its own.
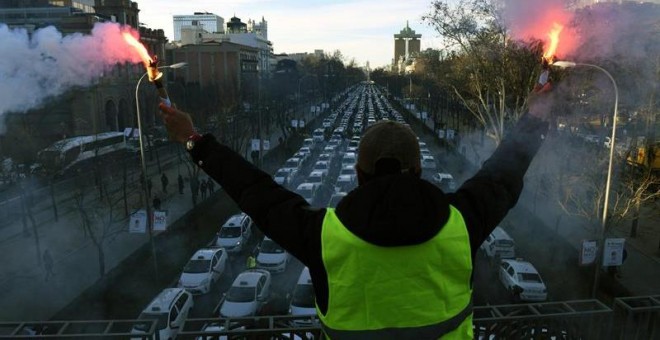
<point x="208" y="22"/>
<point x="407" y="44"/>
<point x="250" y="34"/>
<point x="124" y="12"/>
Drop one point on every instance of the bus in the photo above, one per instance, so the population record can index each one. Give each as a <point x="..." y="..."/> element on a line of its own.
<point x="66" y="154"/>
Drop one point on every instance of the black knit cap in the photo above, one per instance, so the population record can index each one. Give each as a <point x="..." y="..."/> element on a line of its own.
<point x="388" y="147"/>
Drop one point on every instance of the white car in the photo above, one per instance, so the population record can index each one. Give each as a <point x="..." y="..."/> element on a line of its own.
<point x="428" y="162"/>
<point x="522" y="280"/>
<point x="345" y="183"/>
<point x="349" y="159"/>
<point x="307" y="191"/>
<point x="444" y="180"/>
<point x="170" y="309"/>
<point x="499" y="245"/>
<point x="285" y="176"/>
<point x="303" y="302"/>
<point x="322" y="166"/>
<point x="316" y="177"/>
<point x="349" y="170"/>
<point x="291" y="164"/>
<point x="247" y="294"/>
<point x="203" y="269"/>
<point x="335" y="198"/>
<point x="235" y="233"/>
<point x="272" y="256"/>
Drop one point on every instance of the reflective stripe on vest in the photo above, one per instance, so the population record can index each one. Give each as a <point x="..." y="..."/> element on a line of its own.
<point x="436" y="331"/>
<point x="421" y="290"/>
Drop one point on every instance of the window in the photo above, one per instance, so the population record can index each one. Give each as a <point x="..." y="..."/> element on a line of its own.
<point x="510" y="271"/>
<point x="174" y="313"/>
<point x="182" y="301"/>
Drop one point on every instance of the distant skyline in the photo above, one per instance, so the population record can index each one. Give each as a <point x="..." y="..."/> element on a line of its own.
<point x="361" y="29"/>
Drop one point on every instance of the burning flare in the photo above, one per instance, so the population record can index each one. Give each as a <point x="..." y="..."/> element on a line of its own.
<point x="553" y="35"/>
<point x="150" y="64"/>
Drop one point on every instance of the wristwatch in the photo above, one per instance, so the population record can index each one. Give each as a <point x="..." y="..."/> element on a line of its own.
<point x="194" y="138"/>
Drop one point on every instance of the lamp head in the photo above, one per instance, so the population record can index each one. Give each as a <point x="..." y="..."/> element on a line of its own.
<point x="178" y="65"/>
<point x="564" y="64"/>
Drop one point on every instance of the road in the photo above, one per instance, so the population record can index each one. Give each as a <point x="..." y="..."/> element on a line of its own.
<point x="208" y="217"/>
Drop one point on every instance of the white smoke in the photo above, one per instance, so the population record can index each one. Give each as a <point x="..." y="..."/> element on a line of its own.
<point x="46" y="63"/>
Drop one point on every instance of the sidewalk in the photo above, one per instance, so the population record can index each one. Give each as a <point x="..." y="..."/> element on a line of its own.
<point x="640" y="272"/>
<point x="25" y="291"/>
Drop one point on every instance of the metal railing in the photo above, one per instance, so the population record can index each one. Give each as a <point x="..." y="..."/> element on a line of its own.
<point x="629" y="318"/>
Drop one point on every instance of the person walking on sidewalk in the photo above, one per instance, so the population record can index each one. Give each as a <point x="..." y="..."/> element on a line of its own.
<point x="210" y="185"/>
<point x="164" y="181"/>
<point x="370" y="243"/>
<point x="180" y="179"/>
<point x="48" y="265"/>
<point x="194" y="189"/>
<point x="202" y="188"/>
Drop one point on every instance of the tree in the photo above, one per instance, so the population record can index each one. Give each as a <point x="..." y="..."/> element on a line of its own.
<point x="491" y="74"/>
<point x="101" y="218"/>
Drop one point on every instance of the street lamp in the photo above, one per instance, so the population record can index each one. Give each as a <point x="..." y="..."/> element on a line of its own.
<point x="567" y="64"/>
<point x="144" y="164"/>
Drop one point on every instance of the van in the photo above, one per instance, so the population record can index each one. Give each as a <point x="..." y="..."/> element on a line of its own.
<point x="170" y="310"/>
<point x="303" y="300"/>
<point x="499" y="244"/>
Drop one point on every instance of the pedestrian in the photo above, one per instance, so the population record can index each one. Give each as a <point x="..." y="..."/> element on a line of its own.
<point x="164" y="181"/>
<point x="48" y="265"/>
<point x="156" y="203"/>
<point x="369" y="243"/>
<point x="251" y="262"/>
<point x="210" y="185"/>
<point x="202" y="188"/>
<point x="180" y="179"/>
<point x="194" y="189"/>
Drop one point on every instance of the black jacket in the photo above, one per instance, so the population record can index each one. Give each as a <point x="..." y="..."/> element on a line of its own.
<point x="387" y="211"/>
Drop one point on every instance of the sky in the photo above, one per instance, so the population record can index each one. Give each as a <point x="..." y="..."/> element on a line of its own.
<point x="361" y="29"/>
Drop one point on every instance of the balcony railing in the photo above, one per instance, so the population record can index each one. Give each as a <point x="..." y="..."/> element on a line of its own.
<point x="629" y="318"/>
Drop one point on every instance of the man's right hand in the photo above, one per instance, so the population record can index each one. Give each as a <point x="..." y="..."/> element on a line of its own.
<point x="178" y="123"/>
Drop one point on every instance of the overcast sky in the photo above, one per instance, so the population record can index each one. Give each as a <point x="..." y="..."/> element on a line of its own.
<point x="361" y="29"/>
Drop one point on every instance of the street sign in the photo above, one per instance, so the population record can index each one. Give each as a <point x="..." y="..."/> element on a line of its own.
<point x="450" y="133"/>
<point x="255" y="145"/>
<point x="312" y="109"/>
<point x="266" y="145"/>
<point x="588" y="252"/>
<point x="441" y="134"/>
<point x="160" y="220"/>
<point x="294" y="123"/>
<point x="301" y="123"/>
<point x="423" y="115"/>
<point x="138" y="222"/>
<point x="613" y="252"/>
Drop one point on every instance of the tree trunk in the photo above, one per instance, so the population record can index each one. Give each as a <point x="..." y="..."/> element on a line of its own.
<point x="101" y="253"/>
<point x="635" y="221"/>
<point x="124" y="184"/>
<point x="52" y="197"/>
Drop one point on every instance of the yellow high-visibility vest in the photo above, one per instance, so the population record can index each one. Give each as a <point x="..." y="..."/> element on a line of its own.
<point x="421" y="291"/>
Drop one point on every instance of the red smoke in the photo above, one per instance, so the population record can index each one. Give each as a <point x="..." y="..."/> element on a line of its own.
<point x="536" y="19"/>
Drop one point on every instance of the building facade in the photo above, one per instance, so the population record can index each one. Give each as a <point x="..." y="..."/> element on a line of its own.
<point x="108" y="104"/>
<point x="251" y="34"/>
<point x="205" y="21"/>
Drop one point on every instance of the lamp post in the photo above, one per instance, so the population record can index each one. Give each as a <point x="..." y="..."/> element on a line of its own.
<point x="299" y="83"/>
<point x="144" y="164"/>
<point x="567" y="64"/>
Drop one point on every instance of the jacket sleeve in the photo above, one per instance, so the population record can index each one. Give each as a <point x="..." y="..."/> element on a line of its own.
<point x="485" y="199"/>
<point x="282" y="215"/>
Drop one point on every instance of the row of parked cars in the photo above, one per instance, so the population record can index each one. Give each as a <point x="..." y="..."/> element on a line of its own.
<point x="519" y="277"/>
